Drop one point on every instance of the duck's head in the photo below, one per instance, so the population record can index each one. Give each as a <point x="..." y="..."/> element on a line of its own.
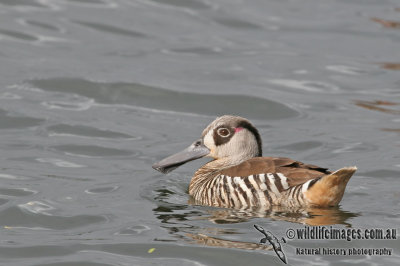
<point x="229" y="138"/>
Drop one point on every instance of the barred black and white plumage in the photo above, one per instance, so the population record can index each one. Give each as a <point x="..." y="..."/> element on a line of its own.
<point x="239" y="191"/>
<point x="238" y="177"/>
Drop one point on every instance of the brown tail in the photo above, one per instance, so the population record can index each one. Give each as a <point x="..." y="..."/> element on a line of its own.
<point x="329" y="189"/>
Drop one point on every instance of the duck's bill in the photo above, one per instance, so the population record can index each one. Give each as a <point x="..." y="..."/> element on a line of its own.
<point x="193" y="152"/>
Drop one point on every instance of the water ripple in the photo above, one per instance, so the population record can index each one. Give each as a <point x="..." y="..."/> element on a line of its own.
<point x="18" y="35"/>
<point x="164" y="99"/>
<point x="301" y="146"/>
<point x="9" y="122"/>
<point x="77" y="262"/>
<point x="72" y="106"/>
<point x="40" y="24"/>
<point x="59" y="162"/>
<point x="10" y="96"/>
<point x="134" y="230"/>
<point x="191" y="4"/>
<point x="382" y="173"/>
<point x="91" y="151"/>
<point x="31" y="3"/>
<point x="37" y="207"/>
<point x="17" y="192"/>
<point x="111" y="29"/>
<point x="355" y="147"/>
<point x="95" y="3"/>
<point x="7" y="176"/>
<point x="199" y="51"/>
<point x="236" y="23"/>
<point x="306" y="85"/>
<point x="86" y="131"/>
<point x="34" y="215"/>
<point x="101" y="190"/>
<point x="349" y="70"/>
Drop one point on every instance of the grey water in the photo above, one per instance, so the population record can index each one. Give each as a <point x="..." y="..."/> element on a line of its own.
<point x="93" y="92"/>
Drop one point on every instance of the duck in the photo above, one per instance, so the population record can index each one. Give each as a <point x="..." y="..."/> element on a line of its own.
<point x="238" y="176"/>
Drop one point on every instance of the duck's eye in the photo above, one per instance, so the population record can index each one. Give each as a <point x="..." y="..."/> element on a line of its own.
<point x="223" y="132"/>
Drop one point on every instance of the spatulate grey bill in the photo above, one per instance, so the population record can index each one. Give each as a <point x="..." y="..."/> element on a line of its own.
<point x="195" y="151"/>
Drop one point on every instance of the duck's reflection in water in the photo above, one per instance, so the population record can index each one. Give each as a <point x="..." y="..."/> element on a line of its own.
<point x="202" y="239"/>
<point x="182" y="219"/>
<point x="309" y="216"/>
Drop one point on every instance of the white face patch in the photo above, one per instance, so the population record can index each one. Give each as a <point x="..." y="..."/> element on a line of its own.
<point x="209" y="142"/>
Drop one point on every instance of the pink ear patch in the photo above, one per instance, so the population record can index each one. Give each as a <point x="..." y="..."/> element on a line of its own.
<point x="238" y="129"/>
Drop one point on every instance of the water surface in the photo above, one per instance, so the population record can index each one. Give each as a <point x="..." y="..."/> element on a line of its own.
<point x="93" y="92"/>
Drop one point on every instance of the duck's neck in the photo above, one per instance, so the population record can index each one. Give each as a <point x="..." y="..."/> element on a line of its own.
<point x="211" y="169"/>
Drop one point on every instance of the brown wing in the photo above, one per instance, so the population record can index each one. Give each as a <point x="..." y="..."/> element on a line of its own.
<point x="295" y="171"/>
